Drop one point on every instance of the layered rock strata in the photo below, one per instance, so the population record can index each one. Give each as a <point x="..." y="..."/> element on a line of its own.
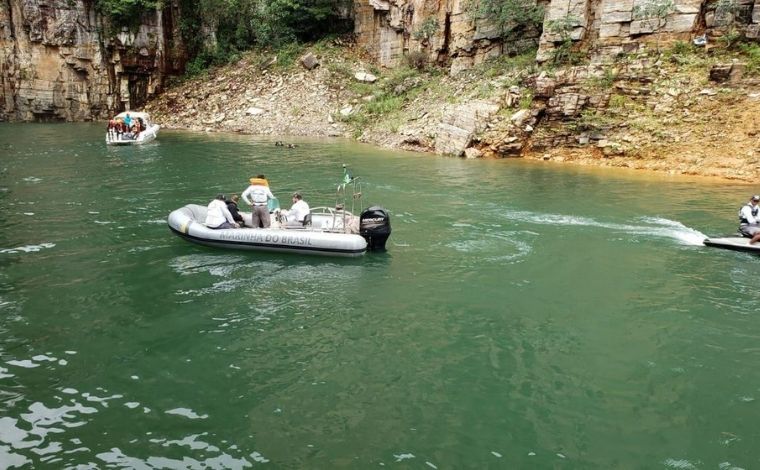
<point x="445" y="31"/>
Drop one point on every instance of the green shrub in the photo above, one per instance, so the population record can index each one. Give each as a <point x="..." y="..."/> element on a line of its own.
<point x="681" y="48"/>
<point x="526" y="100"/>
<point x="618" y="101"/>
<point x="288" y="54"/>
<point x="340" y="69"/>
<point x="426" y="30"/>
<point x="751" y="51"/>
<point x="564" y="52"/>
<point x="417" y="60"/>
<point x="384" y="105"/>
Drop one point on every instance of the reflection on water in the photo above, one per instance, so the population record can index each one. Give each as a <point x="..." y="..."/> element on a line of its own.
<point x="524" y="316"/>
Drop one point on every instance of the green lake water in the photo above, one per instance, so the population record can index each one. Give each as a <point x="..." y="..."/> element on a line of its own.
<point x="524" y="316"/>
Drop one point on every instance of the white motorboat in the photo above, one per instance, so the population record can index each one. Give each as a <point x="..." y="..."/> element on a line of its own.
<point x="736" y="243"/>
<point x="118" y="134"/>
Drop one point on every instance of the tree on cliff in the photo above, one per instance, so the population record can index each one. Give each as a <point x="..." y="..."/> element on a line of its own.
<point x="126" y="12"/>
<point x="242" y="24"/>
<point x="652" y="17"/>
<point x="509" y="16"/>
<point x="214" y="31"/>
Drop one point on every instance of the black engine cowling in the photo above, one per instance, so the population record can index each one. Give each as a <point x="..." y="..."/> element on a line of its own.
<point x="375" y="227"/>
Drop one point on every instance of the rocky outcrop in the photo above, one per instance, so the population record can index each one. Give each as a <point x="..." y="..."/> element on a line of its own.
<point x="445" y="32"/>
<point x="61" y="60"/>
<point x="460" y="125"/>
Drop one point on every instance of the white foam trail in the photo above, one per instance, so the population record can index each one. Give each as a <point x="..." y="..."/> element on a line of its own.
<point x="28" y="248"/>
<point x="655" y="226"/>
<point x="673" y="229"/>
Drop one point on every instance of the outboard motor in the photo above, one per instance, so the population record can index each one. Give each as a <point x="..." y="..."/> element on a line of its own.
<point x="375" y="227"/>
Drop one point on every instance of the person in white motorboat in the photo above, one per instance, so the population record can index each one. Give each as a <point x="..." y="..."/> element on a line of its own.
<point x="257" y="195"/>
<point x="297" y="212"/>
<point x="749" y="219"/>
<point x="217" y="214"/>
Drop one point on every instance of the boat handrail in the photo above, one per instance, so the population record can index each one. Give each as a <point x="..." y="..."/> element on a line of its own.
<point x="337" y="213"/>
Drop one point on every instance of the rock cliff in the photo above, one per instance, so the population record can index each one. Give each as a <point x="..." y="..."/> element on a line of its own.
<point x="445" y="32"/>
<point x="61" y="60"/>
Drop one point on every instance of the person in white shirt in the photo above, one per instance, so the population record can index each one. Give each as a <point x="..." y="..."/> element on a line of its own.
<point x="257" y="195"/>
<point x="749" y="219"/>
<point x="298" y="211"/>
<point x="217" y="214"/>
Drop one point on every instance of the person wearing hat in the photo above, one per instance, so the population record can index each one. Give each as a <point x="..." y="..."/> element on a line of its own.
<point x="749" y="219"/>
<point x="217" y="215"/>
<point x="257" y="195"/>
<point x="297" y="212"/>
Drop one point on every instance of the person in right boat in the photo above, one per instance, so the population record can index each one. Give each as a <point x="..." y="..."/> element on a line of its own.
<point x="749" y="219"/>
<point x="298" y="211"/>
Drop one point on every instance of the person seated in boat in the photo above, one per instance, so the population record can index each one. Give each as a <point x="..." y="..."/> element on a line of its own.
<point x="258" y="195"/>
<point x="135" y="129"/>
<point x="128" y="121"/>
<point x="113" y="129"/>
<point x="749" y="219"/>
<point x="232" y="206"/>
<point x="116" y="127"/>
<point x="297" y="212"/>
<point x="217" y="214"/>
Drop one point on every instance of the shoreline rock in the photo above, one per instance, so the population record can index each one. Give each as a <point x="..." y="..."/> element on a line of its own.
<point x="691" y="129"/>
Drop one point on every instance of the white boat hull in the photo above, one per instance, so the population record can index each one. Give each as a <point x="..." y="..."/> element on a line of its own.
<point x="187" y="222"/>
<point x="144" y="137"/>
<point x="733" y="243"/>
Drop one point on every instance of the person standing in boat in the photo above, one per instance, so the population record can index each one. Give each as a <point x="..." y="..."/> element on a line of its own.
<point x="232" y="206"/>
<point x="749" y="219"/>
<point x="217" y="214"/>
<point x="258" y="195"/>
<point x="298" y="211"/>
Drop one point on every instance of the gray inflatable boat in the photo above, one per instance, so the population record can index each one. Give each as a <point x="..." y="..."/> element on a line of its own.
<point x="328" y="231"/>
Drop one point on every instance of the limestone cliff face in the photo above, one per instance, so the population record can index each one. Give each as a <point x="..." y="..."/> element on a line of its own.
<point x="391" y="28"/>
<point x="442" y="30"/>
<point x="61" y="60"/>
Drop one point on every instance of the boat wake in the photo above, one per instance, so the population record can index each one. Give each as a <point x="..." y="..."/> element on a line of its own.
<point x="646" y="226"/>
<point x="672" y="229"/>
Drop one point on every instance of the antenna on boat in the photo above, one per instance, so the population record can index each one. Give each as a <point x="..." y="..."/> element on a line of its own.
<point x="349" y="180"/>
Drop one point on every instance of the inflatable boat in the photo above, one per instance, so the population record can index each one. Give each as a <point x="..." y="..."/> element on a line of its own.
<point x="736" y="243"/>
<point x="327" y="231"/>
<point x="116" y="134"/>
